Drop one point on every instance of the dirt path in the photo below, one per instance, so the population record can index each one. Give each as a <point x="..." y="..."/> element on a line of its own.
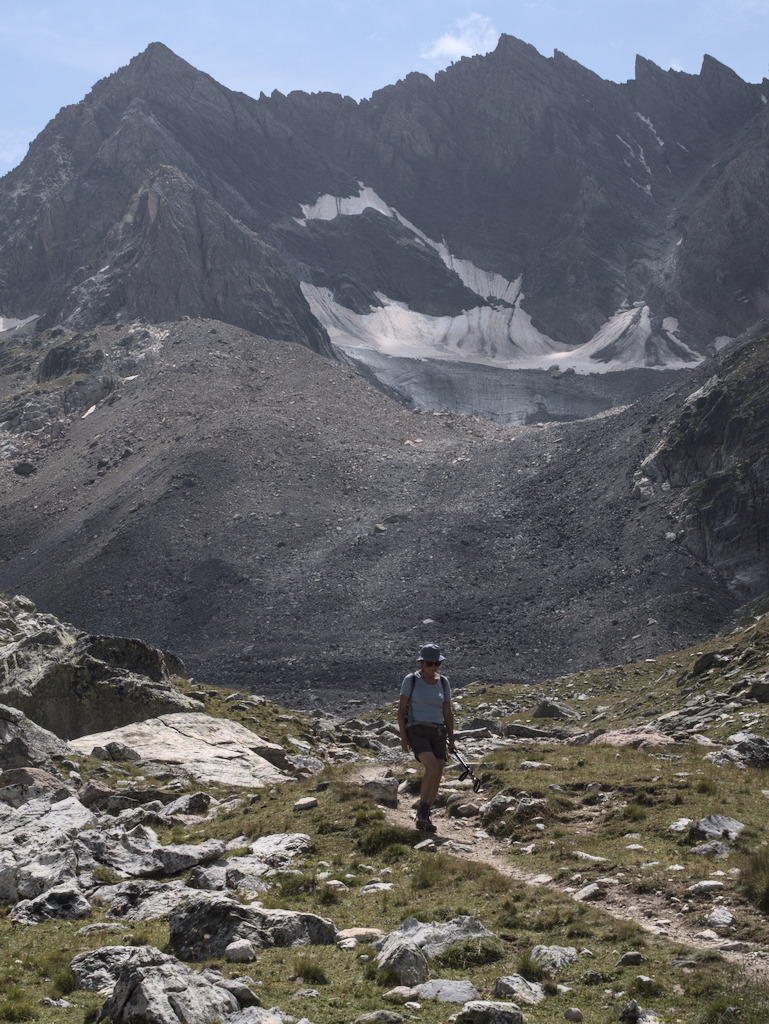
<point x="463" y="838"/>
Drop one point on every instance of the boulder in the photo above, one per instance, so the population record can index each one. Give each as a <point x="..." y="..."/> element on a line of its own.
<point x="18" y="785"/>
<point x="153" y="988"/>
<point x="553" y="958"/>
<point x="448" y="990"/>
<point x="208" y="750"/>
<point x="384" y="790"/>
<point x="716" y="826"/>
<point x="437" y="936"/>
<point x="38" y="843"/>
<point x="554" y="709"/>
<point x="404" y="960"/>
<point x="516" y="987"/>
<point x="481" y="1011"/>
<point x="142" y="900"/>
<point x="97" y="971"/>
<point x="80" y="684"/>
<point x="24" y="744"/>
<point x="138" y="853"/>
<point x="204" y="925"/>
<point x="63" y="902"/>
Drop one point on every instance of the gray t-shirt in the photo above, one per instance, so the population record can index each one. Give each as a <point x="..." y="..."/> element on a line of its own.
<point x="426" y="703"/>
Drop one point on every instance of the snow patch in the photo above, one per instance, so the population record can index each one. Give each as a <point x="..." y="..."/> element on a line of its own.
<point x="721" y="342"/>
<point x="485" y="283"/>
<point x="12" y="328"/>
<point x="501" y="336"/>
<point x="650" y="126"/>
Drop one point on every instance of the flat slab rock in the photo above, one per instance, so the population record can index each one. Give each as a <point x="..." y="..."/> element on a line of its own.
<point x="210" y="750"/>
<point x="435" y="937"/>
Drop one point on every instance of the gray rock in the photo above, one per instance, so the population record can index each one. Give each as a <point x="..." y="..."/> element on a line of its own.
<point x="153" y="988"/>
<point x="525" y="732"/>
<point x="61" y="902"/>
<point x="716" y="826"/>
<point x="720" y="919"/>
<point x="189" y="804"/>
<point x="208" y="750"/>
<point x="23" y="744"/>
<point x="204" y="925"/>
<point x="256" y="1015"/>
<point x="554" y="709"/>
<point x="81" y="684"/>
<point x="143" y="900"/>
<point x="715" y="848"/>
<point x="384" y="790"/>
<point x="138" y="853"/>
<point x="38" y="846"/>
<point x="516" y="987"/>
<point x="590" y="893"/>
<point x="97" y="971"/>
<point x="448" y="990"/>
<point x="437" y="936"/>
<point x="241" y="951"/>
<point x="553" y="958"/>
<point x="380" y="1017"/>
<point x="484" y="1012"/>
<point x="18" y="785"/>
<point x="210" y="877"/>
<point x="573" y="1014"/>
<point x="404" y="960"/>
<point x="630" y="959"/>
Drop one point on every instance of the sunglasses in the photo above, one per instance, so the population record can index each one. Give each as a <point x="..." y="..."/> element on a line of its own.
<point x="432" y="664"/>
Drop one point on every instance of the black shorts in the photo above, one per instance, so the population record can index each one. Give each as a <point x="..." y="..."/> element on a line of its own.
<point x="424" y="738"/>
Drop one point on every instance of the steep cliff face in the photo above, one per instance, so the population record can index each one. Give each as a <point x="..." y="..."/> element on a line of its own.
<point x="714" y="456"/>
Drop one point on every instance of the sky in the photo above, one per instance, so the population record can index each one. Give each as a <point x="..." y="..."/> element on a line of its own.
<point x="53" y="51"/>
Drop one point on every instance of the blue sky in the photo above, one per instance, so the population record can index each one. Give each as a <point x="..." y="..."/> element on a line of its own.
<point x="52" y="51"/>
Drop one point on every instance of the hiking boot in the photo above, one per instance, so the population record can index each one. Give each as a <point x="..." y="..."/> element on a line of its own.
<point x="423" y="823"/>
<point x="430" y="827"/>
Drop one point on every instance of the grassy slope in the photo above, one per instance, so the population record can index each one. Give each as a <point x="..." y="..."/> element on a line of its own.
<point x="641" y="793"/>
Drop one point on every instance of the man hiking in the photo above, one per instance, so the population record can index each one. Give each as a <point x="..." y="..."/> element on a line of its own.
<point x="426" y="724"/>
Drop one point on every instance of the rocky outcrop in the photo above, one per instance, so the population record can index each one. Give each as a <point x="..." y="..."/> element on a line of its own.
<point x="23" y="744"/>
<point x="197" y="747"/>
<point x="205" y="925"/>
<point x="72" y="683"/>
<point x="714" y="457"/>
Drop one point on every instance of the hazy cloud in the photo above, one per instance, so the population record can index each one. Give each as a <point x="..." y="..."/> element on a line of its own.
<point x="473" y="34"/>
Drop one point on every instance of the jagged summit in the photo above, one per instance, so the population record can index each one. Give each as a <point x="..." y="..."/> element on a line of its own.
<point x="163" y="193"/>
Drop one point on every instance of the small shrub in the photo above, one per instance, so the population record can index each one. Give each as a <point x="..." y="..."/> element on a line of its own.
<point x="379" y="838"/>
<point x="633" y="812"/>
<point x="327" y="896"/>
<point x="290" y="884"/>
<point x="471" y="953"/>
<point x="15" y="1007"/>
<point x="63" y="982"/>
<point x="310" y="971"/>
<point x="754" y="878"/>
<point x="706" y="787"/>
<point x="528" y="968"/>
<point x="101" y="873"/>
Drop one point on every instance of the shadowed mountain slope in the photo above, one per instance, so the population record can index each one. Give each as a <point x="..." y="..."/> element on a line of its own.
<point x="283" y="526"/>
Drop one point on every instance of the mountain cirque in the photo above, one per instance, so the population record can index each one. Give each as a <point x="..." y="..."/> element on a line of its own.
<point x="284" y="526"/>
<point x="517" y="211"/>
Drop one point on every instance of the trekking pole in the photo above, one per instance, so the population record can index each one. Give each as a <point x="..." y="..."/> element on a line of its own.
<point x="467" y="771"/>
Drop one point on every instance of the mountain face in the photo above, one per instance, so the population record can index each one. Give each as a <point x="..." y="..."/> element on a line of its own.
<point x="285" y="527"/>
<point x="516" y="212"/>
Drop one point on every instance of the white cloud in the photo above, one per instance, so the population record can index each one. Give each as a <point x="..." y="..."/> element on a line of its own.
<point x="473" y="34"/>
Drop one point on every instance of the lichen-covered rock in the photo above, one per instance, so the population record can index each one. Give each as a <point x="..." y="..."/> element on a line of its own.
<point x="204" y="925"/>
<point x="74" y="684"/>
<point x="63" y="902"/>
<point x="153" y="988"/>
<point x="481" y="1011"/>
<point x="24" y="744"/>
<point x="404" y="960"/>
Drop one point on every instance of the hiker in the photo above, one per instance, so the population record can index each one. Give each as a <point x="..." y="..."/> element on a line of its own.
<point x="426" y="724"/>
